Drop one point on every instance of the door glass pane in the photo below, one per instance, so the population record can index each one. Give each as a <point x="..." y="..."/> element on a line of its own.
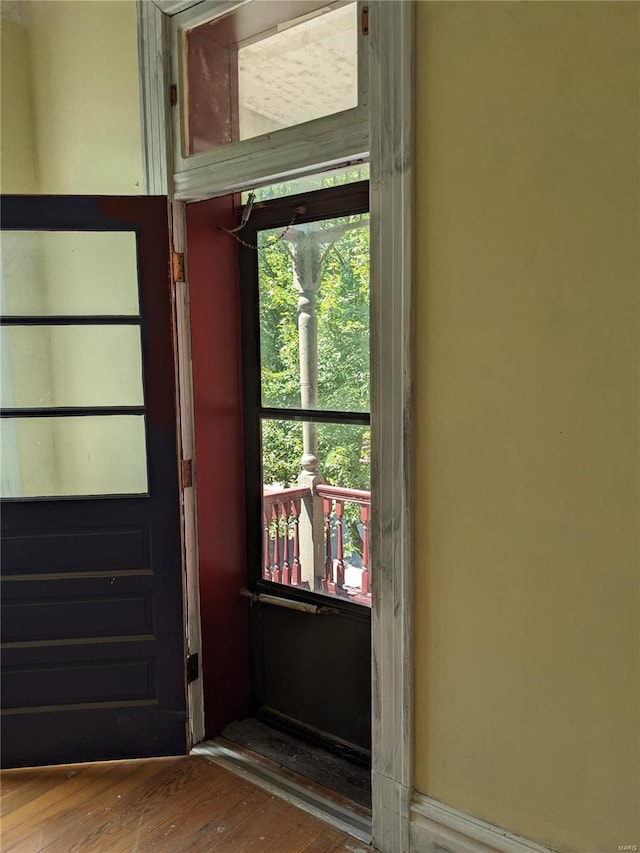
<point x="73" y="273"/>
<point x="84" y="365"/>
<point x="90" y="455"/>
<point x="268" y="66"/>
<point x="314" y="315"/>
<point x="316" y="506"/>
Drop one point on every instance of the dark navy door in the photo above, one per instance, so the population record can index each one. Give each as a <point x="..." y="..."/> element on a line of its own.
<point x="93" y="657"/>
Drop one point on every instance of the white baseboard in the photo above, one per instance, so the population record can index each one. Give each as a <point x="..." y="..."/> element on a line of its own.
<point x="437" y="828"/>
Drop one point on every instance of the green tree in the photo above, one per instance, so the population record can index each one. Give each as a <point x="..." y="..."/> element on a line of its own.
<point x="342" y="311"/>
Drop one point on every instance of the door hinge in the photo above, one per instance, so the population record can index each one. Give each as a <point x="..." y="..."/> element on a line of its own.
<point x="173" y="94"/>
<point x="364" y="20"/>
<point x="193" y="668"/>
<point x="177" y="262"/>
<point x="186" y="473"/>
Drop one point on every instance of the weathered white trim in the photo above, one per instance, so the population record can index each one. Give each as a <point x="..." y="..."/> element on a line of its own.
<point x="153" y="63"/>
<point x="438" y="828"/>
<point x="206" y="10"/>
<point x="195" y="695"/>
<point x="390" y="802"/>
<point x="275" y="160"/>
<point x="391" y="112"/>
<point x="173" y="7"/>
<point x="153" y="58"/>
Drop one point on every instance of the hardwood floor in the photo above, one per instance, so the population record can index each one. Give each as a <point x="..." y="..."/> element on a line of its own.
<point x="169" y="805"/>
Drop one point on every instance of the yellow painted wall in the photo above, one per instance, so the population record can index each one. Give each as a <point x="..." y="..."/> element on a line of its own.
<point x="70" y="119"/>
<point x="526" y="417"/>
<point x="86" y="101"/>
<point x="17" y="148"/>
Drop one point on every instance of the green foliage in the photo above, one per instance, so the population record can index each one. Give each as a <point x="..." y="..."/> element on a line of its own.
<point x="309" y="183"/>
<point x="281" y="451"/>
<point x="342" y="316"/>
<point x="342" y="311"/>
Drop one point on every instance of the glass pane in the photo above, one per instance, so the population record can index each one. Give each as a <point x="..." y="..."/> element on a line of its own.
<point x="314" y="315"/>
<point x="92" y="455"/>
<point x="71" y="366"/>
<point x="268" y="66"/>
<point x="316" y="505"/>
<point x="310" y="183"/>
<point x="68" y="273"/>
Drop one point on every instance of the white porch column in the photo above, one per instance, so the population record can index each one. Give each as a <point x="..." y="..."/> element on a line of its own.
<point x="307" y="276"/>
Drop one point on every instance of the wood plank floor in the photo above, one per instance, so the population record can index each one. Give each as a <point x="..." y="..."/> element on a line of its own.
<point x="165" y="805"/>
<point x="331" y="772"/>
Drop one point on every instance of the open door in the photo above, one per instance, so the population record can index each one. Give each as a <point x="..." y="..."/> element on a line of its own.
<point x="303" y="662"/>
<point x="93" y="648"/>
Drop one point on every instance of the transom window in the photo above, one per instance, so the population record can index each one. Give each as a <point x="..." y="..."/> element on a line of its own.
<point x="267" y="83"/>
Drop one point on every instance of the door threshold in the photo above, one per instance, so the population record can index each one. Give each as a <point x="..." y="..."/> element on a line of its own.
<point x="295" y="789"/>
<point x="334" y="766"/>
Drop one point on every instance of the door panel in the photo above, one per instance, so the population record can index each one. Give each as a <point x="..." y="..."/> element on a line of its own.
<point x="92" y="628"/>
<point x="312" y="675"/>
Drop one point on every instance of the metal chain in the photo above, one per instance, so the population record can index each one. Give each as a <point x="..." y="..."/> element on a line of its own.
<point x="281" y="236"/>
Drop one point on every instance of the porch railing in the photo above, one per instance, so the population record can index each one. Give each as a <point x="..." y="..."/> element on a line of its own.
<point x="281" y="531"/>
<point x="333" y="501"/>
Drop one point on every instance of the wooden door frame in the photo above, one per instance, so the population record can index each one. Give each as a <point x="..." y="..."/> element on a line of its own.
<point x="391" y="127"/>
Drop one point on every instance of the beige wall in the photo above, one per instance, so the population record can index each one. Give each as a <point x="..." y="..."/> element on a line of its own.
<point x="70" y="98"/>
<point x="17" y="145"/>
<point x="527" y="402"/>
<point x="85" y="72"/>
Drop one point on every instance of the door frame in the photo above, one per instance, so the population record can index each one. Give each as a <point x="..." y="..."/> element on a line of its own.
<point x="391" y="128"/>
